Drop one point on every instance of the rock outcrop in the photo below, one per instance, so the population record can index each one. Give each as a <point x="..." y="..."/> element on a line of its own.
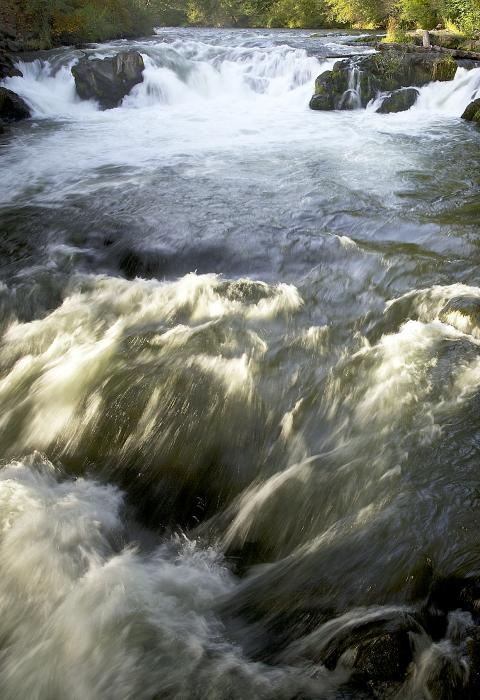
<point x="355" y="82"/>
<point x="472" y="113"/>
<point x="12" y="107"/>
<point x="398" y="101"/>
<point x="7" y="67"/>
<point x="108" y="80"/>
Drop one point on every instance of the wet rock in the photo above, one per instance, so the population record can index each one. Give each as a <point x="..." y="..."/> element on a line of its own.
<point x="384" y="658"/>
<point x="387" y="71"/>
<point x="7" y="66"/>
<point x="468" y="63"/>
<point x="108" y="80"/>
<point x="379" y="648"/>
<point x="330" y="87"/>
<point x="398" y="101"/>
<point x="12" y="107"/>
<point x="472" y="113"/>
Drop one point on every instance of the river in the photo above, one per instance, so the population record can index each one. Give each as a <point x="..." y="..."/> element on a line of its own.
<point x="239" y="376"/>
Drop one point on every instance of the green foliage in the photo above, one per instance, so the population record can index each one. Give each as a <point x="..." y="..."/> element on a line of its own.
<point x="362" y="13"/>
<point x="463" y="14"/>
<point x="48" y="22"/>
<point x="297" y="13"/>
<point x="423" y="13"/>
<point x="396" y="33"/>
<point x="43" y="23"/>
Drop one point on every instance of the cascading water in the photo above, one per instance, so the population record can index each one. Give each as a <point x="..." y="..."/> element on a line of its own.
<point x="352" y="98"/>
<point x="239" y="382"/>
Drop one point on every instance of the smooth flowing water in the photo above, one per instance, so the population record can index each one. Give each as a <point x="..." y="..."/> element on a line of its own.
<point x="240" y="372"/>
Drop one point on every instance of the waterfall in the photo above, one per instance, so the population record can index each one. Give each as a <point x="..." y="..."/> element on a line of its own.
<point x="178" y="73"/>
<point x="351" y="98"/>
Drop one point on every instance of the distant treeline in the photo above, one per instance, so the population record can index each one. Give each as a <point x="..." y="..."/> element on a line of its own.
<point x="44" y="23"/>
<point x="463" y="15"/>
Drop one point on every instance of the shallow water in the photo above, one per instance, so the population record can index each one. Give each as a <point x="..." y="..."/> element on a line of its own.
<point x="239" y="373"/>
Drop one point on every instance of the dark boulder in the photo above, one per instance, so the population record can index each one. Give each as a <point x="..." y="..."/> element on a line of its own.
<point x="398" y="101"/>
<point x="108" y="80"/>
<point x="385" y="657"/>
<point x="7" y="67"/>
<point x="376" y="647"/>
<point x="12" y="107"/>
<point x="472" y="113"/>
<point x="355" y="82"/>
<point x="382" y="646"/>
<point x="331" y="87"/>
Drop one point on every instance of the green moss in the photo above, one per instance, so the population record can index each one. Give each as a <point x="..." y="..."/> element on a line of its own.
<point x="472" y="113"/>
<point x="444" y="69"/>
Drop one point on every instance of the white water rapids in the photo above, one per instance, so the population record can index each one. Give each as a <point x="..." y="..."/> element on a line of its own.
<point x="239" y="380"/>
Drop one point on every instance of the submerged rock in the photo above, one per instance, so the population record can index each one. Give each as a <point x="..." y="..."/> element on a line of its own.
<point x="399" y="101"/>
<point x="12" y="107"/>
<point x="472" y="113"/>
<point x="108" y="80"/>
<point x="354" y="82"/>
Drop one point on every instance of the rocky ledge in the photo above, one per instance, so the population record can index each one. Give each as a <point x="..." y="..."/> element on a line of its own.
<point x="108" y="80"/>
<point x="354" y="82"/>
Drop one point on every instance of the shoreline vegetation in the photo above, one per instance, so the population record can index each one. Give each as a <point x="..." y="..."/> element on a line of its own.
<point x="44" y="24"/>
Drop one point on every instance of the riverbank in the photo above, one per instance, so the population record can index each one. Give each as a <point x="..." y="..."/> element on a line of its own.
<point x="456" y="45"/>
<point x="28" y="26"/>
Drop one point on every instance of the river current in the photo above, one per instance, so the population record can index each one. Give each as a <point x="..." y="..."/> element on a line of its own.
<point x="239" y="375"/>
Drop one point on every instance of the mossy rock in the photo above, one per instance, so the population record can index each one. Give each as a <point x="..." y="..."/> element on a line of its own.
<point x="398" y="101"/>
<point x="387" y="71"/>
<point x="472" y="113"/>
<point x="330" y="87"/>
